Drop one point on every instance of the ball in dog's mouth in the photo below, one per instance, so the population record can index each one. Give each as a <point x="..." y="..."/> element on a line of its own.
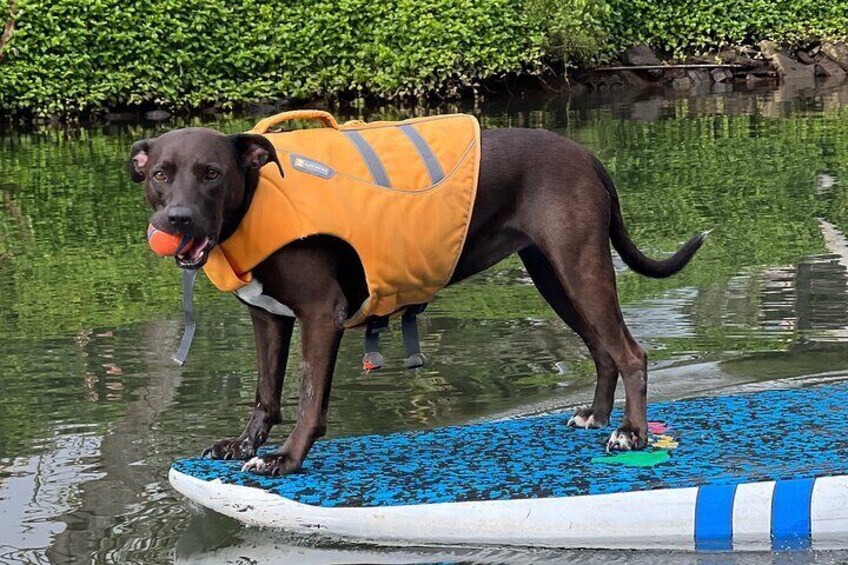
<point x="195" y="256"/>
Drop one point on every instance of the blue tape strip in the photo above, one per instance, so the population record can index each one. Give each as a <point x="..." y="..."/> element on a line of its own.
<point x="714" y="518"/>
<point x="790" y="514"/>
<point x="375" y="166"/>
<point x="434" y="168"/>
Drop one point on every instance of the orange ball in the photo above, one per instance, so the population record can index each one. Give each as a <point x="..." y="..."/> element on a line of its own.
<point x="165" y="244"/>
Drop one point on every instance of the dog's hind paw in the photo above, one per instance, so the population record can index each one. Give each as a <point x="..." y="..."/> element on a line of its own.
<point x="272" y="464"/>
<point x="585" y="418"/>
<point x="626" y="439"/>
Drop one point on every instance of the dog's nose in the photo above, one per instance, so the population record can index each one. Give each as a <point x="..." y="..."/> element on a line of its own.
<point x="179" y="217"/>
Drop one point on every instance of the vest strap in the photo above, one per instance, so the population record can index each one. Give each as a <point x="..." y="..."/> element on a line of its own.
<point x="373" y="359"/>
<point x="189" y="276"/>
<point x="252" y="294"/>
<point x="411" y="343"/>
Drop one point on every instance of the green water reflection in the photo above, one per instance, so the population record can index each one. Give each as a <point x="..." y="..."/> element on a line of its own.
<point x="93" y="411"/>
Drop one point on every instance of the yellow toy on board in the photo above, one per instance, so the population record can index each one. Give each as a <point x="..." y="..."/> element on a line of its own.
<point x="400" y="193"/>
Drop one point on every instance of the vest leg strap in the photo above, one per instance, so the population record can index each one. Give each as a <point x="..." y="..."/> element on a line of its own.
<point x="409" y="325"/>
<point x="373" y="359"/>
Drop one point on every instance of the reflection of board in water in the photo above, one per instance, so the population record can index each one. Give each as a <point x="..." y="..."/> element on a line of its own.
<point x="758" y="470"/>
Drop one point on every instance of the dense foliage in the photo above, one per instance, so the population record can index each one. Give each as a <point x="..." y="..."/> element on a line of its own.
<point x="696" y="25"/>
<point x="67" y="56"/>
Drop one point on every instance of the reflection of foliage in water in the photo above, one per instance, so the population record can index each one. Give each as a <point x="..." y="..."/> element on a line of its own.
<point x="71" y="224"/>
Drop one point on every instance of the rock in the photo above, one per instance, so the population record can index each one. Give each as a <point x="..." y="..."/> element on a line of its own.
<point x="787" y="68"/>
<point x="747" y="51"/>
<point x="639" y="55"/>
<point x="768" y="48"/>
<point x="829" y="68"/>
<point x="683" y="83"/>
<point x="792" y="70"/>
<point x="805" y="58"/>
<point x="836" y="52"/>
<point x="157" y="115"/>
<point x="698" y="76"/>
<point x="721" y="75"/>
<point x="728" y="56"/>
<point x="742" y="56"/>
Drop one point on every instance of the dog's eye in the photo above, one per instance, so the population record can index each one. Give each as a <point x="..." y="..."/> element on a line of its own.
<point x="212" y="174"/>
<point x="160" y="176"/>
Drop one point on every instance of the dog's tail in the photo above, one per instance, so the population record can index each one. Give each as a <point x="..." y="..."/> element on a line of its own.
<point x="631" y="254"/>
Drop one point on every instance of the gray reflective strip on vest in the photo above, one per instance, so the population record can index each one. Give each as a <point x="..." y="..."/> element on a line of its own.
<point x="434" y="169"/>
<point x="252" y="294"/>
<point x="375" y="166"/>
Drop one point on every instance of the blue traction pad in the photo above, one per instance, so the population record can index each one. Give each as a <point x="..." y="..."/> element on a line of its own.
<point x="762" y="436"/>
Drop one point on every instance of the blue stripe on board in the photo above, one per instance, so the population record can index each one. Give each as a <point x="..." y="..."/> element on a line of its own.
<point x="375" y="166"/>
<point x="790" y="514"/>
<point x="714" y="517"/>
<point x="434" y="169"/>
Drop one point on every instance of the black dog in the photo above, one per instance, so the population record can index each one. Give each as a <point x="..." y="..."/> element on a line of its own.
<point x="539" y="195"/>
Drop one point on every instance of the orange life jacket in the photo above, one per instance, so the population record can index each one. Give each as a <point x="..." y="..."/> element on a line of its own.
<point x="400" y="193"/>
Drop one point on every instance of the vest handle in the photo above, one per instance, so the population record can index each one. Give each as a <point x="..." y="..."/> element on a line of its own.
<point x="325" y="117"/>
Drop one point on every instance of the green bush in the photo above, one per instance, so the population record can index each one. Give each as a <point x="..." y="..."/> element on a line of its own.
<point x="71" y="56"/>
<point x="687" y="26"/>
<point x="574" y="30"/>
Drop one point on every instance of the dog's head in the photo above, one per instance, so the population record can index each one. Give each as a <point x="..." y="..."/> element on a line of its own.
<point x="198" y="182"/>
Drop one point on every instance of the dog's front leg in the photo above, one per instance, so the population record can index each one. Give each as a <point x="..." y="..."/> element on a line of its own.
<point x="273" y="338"/>
<point x="321" y="334"/>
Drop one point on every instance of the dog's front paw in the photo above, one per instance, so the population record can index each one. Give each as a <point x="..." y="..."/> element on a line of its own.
<point x="231" y="449"/>
<point x="587" y="419"/>
<point x="272" y="464"/>
<point x="627" y="438"/>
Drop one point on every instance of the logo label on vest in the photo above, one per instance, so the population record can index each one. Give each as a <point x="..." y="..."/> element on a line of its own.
<point x="311" y="167"/>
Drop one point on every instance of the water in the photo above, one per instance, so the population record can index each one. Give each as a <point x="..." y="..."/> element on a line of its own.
<point x="93" y="411"/>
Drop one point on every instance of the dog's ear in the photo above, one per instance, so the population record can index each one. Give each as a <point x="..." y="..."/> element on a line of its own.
<point x="255" y="151"/>
<point x="138" y="160"/>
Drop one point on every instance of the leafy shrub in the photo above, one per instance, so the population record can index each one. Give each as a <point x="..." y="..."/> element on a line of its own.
<point x="70" y="56"/>
<point x="685" y="26"/>
<point x="574" y="29"/>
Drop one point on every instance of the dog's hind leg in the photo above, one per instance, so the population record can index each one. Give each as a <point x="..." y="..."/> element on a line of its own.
<point x="273" y="338"/>
<point x="545" y="279"/>
<point x="583" y="266"/>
